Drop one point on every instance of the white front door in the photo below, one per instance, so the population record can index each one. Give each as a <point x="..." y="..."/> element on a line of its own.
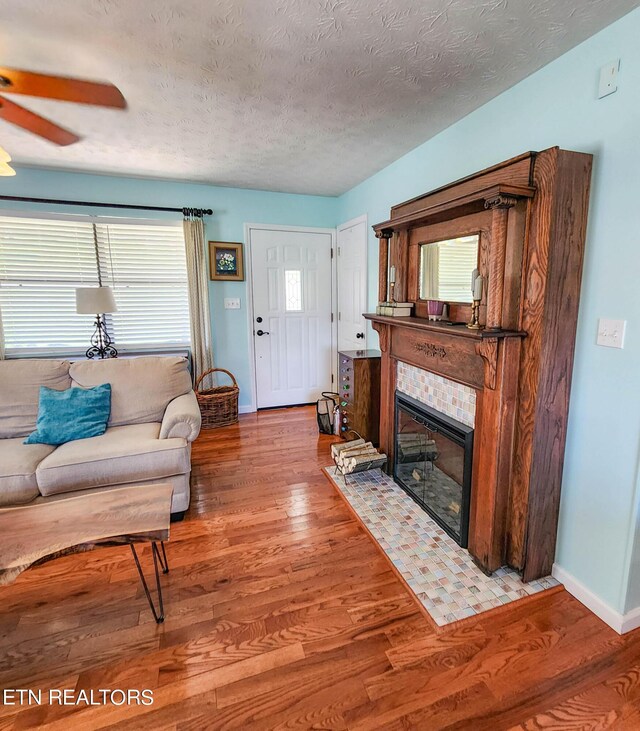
<point x="292" y="296"/>
<point x="352" y="284"/>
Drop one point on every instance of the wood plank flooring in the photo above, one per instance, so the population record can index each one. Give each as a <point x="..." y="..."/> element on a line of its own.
<point x="282" y="614"/>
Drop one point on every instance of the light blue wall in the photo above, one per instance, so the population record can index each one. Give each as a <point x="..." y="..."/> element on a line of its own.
<point x="232" y="208"/>
<point x="558" y="106"/>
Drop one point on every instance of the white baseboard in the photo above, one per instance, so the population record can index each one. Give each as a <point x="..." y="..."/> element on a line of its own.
<point x="630" y="620"/>
<point x="621" y="623"/>
<point x="246" y="409"/>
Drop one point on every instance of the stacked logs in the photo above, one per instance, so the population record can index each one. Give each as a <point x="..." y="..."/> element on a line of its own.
<point x="416" y="448"/>
<point x="356" y="456"/>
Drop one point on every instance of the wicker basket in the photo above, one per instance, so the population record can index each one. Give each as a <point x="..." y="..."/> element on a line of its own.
<point x="218" y="405"/>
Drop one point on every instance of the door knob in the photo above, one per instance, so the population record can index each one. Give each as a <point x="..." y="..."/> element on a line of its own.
<point x="359" y="335"/>
<point x="260" y="333"/>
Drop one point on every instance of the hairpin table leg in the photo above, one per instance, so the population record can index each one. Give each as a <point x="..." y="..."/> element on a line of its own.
<point x="157" y="615"/>
<point x="163" y="559"/>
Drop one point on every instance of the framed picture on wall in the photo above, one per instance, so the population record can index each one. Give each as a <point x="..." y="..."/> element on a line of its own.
<point x="225" y="261"/>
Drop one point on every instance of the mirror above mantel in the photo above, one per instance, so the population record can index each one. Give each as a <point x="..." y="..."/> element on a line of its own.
<point x="446" y="268"/>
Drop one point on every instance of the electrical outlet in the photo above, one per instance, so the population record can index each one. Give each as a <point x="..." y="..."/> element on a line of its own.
<point x="611" y="333"/>
<point x="232" y="303"/>
<point x="608" y="78"/>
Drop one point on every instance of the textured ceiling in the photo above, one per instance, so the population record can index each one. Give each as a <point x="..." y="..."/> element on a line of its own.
<point x="308" y="96"/>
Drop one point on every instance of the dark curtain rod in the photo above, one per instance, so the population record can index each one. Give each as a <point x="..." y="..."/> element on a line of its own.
<point x="198" y="212"/>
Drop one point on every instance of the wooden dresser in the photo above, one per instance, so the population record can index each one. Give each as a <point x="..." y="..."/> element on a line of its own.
<point x="359" y="388"/>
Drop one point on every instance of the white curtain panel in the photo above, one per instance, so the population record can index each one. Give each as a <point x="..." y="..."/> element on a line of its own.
<point x="1" y="338"/>
<point x="201" y="345"/>
<point x="430" y="268"/>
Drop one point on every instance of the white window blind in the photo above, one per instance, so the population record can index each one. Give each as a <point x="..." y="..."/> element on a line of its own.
<point x="147" y="268"/>
<point x="42" y="261"/>
<point x="41" y="264"/>
<point x="455" y="264"/>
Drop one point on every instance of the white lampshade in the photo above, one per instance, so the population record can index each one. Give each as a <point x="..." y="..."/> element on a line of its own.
<point x="5" y="159"/>
<point x="95" y="300"/>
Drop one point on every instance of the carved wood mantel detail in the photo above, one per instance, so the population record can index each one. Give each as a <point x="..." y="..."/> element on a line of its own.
<point x="520" y="361"/>
<point x="430" y="350"/>
<point x="488" y="350"/>
<point x="384" y="334"/>
<point x="500" y="201"/>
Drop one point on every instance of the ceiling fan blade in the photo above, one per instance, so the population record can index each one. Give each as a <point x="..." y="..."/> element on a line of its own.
<point x="64" y="88"/>
<point x="33" y="122"/>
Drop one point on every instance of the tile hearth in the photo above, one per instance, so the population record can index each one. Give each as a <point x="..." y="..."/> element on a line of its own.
<point x="439" y="572"/>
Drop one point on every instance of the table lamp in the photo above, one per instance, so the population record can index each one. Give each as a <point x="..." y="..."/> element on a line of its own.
<point x="97" y="301"/>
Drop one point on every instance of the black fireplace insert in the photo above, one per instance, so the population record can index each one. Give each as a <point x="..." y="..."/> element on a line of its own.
<point x="433" y="463"/>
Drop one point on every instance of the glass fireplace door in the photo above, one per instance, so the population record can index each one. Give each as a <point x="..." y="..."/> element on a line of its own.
<point x="432" y="464"/>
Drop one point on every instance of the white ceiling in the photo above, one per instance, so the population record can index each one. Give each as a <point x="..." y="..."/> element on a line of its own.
<point x="308" y="96"/>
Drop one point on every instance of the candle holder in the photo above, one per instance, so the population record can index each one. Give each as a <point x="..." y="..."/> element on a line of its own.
<point x="473" y="324"/>
<point x="391" y="288"/>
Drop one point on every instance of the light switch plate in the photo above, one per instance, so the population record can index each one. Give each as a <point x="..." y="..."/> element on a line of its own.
<point x="611" y="333"/>
<point x="608" y="78"/>
<point x="232" y="303"/>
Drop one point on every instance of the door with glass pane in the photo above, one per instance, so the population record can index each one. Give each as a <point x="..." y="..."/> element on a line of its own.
<point x="292" y="291"/>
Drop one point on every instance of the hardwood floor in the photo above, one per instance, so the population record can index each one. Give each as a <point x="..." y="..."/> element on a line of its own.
<point x="281" y="613"/>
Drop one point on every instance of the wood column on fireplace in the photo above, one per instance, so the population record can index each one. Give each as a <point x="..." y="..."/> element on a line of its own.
<point x="388" y="379"/>
<point x="383" y="263"/>
<point x="499" y="206"/>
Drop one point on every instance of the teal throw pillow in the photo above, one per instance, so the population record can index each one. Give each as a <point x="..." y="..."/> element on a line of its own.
<point x="77" y="413"/>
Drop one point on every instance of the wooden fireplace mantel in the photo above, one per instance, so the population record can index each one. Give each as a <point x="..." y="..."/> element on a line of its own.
<point x="453" y="351"/>
<point x="454" y="330"/>
<point x="530" y="213"/>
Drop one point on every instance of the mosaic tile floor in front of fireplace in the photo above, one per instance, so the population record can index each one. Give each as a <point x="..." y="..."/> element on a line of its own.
<point x="439" y="572"/>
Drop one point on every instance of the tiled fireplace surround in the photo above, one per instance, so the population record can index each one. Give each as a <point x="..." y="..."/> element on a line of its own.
<point x="447" y="397"/>
<point x="441" y="574"/>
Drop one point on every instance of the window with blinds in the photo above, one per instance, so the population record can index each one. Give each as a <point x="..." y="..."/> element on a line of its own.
<point x="146" y="266"/>
<point x="42" y="261"/>
<point x="457" y="260"/>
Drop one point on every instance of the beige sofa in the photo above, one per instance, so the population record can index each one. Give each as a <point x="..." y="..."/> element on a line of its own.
<point x="154" y="418"/>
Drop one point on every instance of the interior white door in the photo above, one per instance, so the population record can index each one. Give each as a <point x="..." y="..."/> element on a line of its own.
<point x="352" y="284"/>
<point x="292" y="294"/>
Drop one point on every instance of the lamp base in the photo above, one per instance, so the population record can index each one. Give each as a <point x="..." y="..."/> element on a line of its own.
<point x="101" y="346"/>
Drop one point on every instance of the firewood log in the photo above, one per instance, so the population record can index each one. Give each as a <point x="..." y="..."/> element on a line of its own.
<point x="364" y="459"/>
<point x="358" y="448"/>
<point x="337" y="448"/>
<point x="364" y="462"/>
<point x="365" y="445"/>
<point x="411" y="439"/>
<point x="364" y="449"/>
